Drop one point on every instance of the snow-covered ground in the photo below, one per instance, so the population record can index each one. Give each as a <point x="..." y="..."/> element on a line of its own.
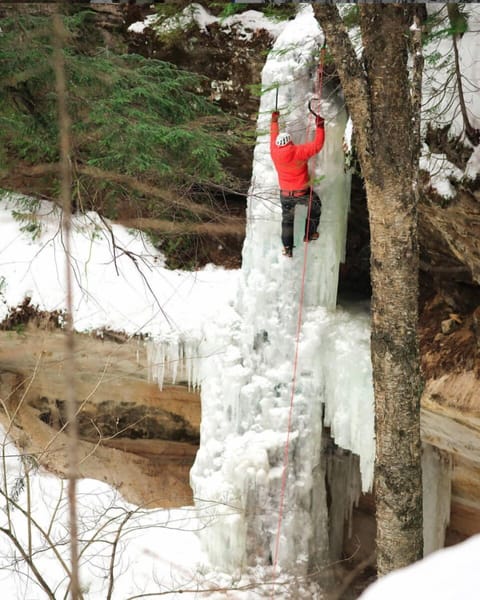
<point x="119" y="278"/>
<point x="150" y="555"/>
<point x="448" y="574"/>
<point x="125" y="288"/>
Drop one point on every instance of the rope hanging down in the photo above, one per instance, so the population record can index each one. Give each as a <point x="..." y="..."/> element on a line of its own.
<point x="318" y="94"/>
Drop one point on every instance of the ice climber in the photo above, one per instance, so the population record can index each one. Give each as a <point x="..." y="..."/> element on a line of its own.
<point x="291" y="164"/>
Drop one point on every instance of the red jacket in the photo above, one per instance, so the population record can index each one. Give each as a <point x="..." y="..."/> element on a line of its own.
<point x="291" y="161"/>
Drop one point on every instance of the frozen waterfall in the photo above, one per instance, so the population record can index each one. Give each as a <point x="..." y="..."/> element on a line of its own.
<point x="246" y="370"/>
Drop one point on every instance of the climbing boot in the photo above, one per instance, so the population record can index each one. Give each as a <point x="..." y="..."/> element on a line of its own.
<point x="314" y="236"/>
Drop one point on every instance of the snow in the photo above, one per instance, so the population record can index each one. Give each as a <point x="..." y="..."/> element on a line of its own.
<point x="473" y="165"/>
<point x="192" y="14"/>
<point x="447" y="574"/>
<point x="441" y="103"/>
<point x="243" y="25"/>
<point x="123" y="287"/>
<point x="441" y="172"/>
<point x="140" y="26"/>
<point x="236" y="334"/>
<point x="151" y="546"/>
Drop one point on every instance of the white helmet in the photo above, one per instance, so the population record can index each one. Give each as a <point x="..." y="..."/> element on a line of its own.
<point x="283" y="139"/>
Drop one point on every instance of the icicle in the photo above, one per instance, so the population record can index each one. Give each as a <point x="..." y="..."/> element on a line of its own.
<point x="437" y="476"/>
<point x="156" y="362"/>
<point x="173" y="351"/>
<point x="349" y="405"/>
<point x="192" y="357"/>
<point x="344" y="483"/>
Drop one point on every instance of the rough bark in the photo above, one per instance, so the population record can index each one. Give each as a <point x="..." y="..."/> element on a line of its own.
<point x="378" y="98"/>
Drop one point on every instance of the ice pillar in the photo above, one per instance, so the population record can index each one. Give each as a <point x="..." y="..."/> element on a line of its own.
<point x="437" y="478"/>
<point x="264" y="379"/>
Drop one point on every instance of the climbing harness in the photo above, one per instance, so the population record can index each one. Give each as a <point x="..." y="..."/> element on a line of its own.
<point x="318" y="96"/>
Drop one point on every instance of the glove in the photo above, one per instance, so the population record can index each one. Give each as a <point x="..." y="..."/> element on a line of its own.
<point x="275" y="115"/>
<point x="319" y="122"/>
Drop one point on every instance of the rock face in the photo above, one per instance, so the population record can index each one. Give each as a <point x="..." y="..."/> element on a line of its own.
<point x="231" y="66"/>
<point x="450" y="422"/>
<point x="123" y="418"/>
<point x="449" y="236"/>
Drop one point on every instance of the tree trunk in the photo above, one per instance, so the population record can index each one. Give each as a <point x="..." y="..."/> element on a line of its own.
<point x="378" y="98"/>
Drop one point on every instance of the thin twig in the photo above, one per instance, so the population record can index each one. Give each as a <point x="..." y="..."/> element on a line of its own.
<point x="59" y="35"/>
<point x="339" y="593"/>
<point x="41" y="581"/>
<point x="111" y="570"/>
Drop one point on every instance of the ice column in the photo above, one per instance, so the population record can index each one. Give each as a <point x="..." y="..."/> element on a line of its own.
<point x="437" y="478"/>
<point x="247" y="378"/>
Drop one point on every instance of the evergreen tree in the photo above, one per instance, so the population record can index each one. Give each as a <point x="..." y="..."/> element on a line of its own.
<point x="140" y="129"/>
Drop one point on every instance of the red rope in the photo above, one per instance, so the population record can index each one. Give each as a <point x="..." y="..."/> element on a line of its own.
<point x="319" y="85"/>
<point x="320" y="75"/>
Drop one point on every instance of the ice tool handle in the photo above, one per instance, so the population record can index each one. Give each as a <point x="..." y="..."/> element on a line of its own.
<point x="310" y="106"/>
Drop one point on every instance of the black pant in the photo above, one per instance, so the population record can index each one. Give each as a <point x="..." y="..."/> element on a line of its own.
<point x="288" y="215"/>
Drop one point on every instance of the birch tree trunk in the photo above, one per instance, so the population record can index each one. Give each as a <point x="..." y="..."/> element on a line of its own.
<point x="378" y="96"/>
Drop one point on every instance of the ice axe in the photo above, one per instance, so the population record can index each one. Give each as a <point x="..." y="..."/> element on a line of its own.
<point x="310" y="106"/>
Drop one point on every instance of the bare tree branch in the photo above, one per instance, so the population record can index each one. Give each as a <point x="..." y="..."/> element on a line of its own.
<point x="111" y="570"/>
<point x="30" y="562"/>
